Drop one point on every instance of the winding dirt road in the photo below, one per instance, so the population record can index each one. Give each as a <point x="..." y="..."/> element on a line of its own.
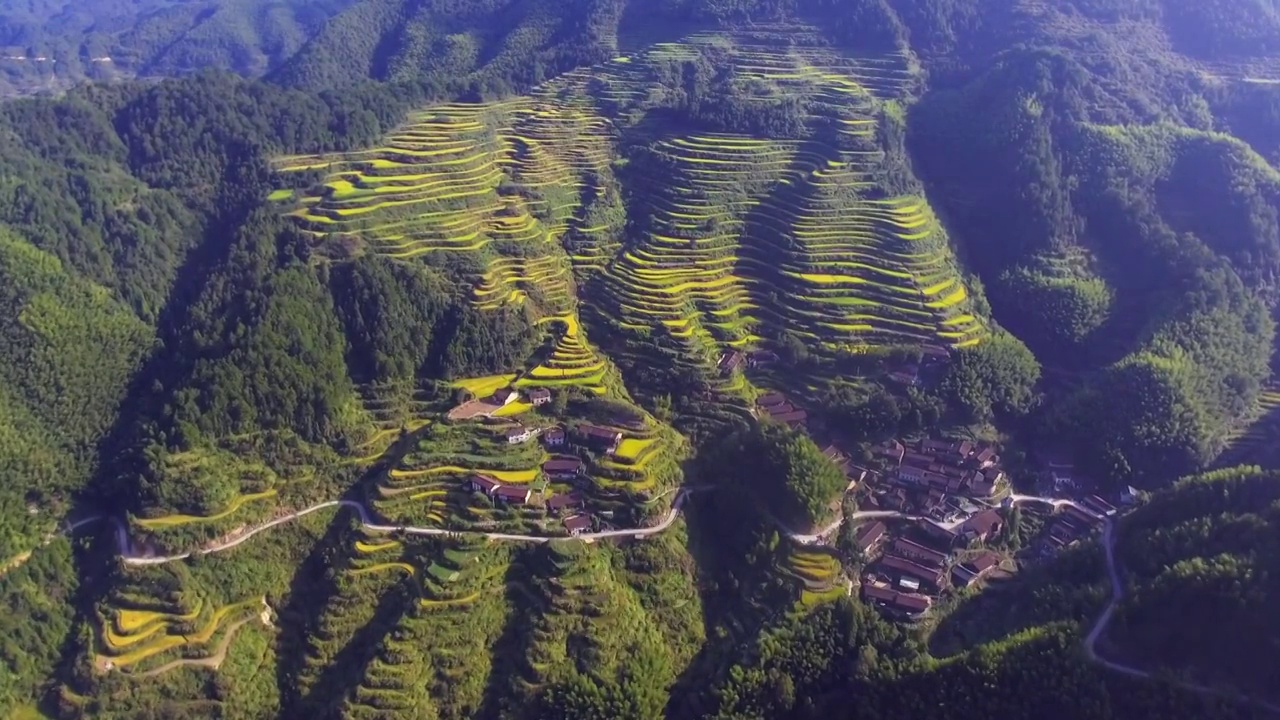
<point x="131" y="557"/>
<point x="1104" y="619"/>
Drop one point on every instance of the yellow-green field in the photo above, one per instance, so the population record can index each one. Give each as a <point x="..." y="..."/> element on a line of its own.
<point x="132" y="636"/>
<point x="179" y="520"/>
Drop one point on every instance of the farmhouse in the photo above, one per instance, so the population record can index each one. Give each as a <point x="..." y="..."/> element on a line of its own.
<point x="512" y="494"/>
<point x="976" y="569"/>
<point x="520" y="434"/>
<point x="903" y="547"/>
<point x="771" y="400"/>
<point x="1082" y="517"/>
<point x="483" y="483"/>
<point x="563" y="468"/>
<point x="560" y="503"/>
<point x="901" y="567"/>
<point x="505" y="396"/>
<point x="539" y="396"/>
<point x="577" y="524"/>
<point x="554" y="437"/>
<point x="982" y="527"/>
<point x="1100" y="506"/>
<point x="731" y="361"/>
<point x="870" y="537"/>
<point x="599" y="438"/>
<point x="906" y="375"/>
<point x="907" y="605"/>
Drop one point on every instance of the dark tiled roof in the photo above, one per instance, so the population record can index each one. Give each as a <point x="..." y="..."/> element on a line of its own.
<point x="563" y="501"/>
<point x="916" y="570"/>
<point x="984" y="562"/>
<point x="577" y="522"/>
<point x="511" y="492"/>
<point x="794" y="416"/>
<point x="869" y="535"/>
<point x="595" y="431"/>
<point x="559" y="465"/>
<point x="770" y="399"/>
<point x="908" y="548"/>
<point x="901" y="601"/>
<point x="984" y="523"/>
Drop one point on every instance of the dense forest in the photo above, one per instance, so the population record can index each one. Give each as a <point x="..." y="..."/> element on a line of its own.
<point x="264" y="264"/>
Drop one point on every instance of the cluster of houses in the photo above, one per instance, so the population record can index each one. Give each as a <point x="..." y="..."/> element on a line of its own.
<point x="904" y="576"/>
<point x="1075" y="523"/>
<point x="567" y="506"/>
<point x="486" y="407"/>
<point x="564" y="468"/>
<point x="508" y="395"/>
<point x="934" y="478"/>
<point x="600" y="439"/>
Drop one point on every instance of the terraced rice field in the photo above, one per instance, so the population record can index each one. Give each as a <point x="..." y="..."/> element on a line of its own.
<point x="730" y="241"/>
<point x="572" y="362"/>
<point x="796" y="234"/>
<point x="170" y="521"/>
<point x="445" y="182"/>
<point x="483" y="387"/>
<point x="428" y="486"/>
<point x="443" y="631"/>
<point x="1256" y="440"/>
<point x="130" y="636"/>
<point x="818" y="573"/>
<point x="393" y="406"/>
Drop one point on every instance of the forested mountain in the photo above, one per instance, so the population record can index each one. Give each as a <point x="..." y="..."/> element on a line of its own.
<point x="532" y="358"/>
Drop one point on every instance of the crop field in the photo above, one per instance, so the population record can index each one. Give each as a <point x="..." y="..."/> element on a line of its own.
<point x="743" y="233"/>
<point x="178" y="520"/>
<point x="504" y="181"/>
<point x="572" y="362"/>
<point x="731" y="240"/>
<point x="428" y="485"/>
<point x="1256" y="440"/>
<point x="393" y="406"/>
<point x="130" y="636"/>
<point x="818" y="575"/>
<point x="443" y="629"/>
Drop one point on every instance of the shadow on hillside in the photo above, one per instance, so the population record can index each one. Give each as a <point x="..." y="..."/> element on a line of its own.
<point x="508" y="650"/>
<point x="736" y="598"/>
<point x="310" y="591"/>
<point x="346" y="670"/>
<point x="1069" y="588"/>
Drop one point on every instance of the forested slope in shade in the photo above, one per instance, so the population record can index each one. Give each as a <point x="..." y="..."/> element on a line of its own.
<point x="1144" y="252"/>
<point x="1208" y="548"/>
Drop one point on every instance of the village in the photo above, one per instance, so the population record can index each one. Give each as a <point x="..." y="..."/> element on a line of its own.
<point x="935" y="514"/>
<point x="559" y="494"/>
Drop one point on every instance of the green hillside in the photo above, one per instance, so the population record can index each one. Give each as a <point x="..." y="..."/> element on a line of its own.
<point x="532" y="359"/>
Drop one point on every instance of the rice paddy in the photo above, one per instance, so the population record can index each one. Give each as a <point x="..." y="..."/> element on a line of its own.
<point x="816" y="572"/>
<point x="744" y="233"/>
<point x="179" y="520"/>
<point x="731" y="241"/>
<point x="130" y="636"/>
<point x="571" y="363"/>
